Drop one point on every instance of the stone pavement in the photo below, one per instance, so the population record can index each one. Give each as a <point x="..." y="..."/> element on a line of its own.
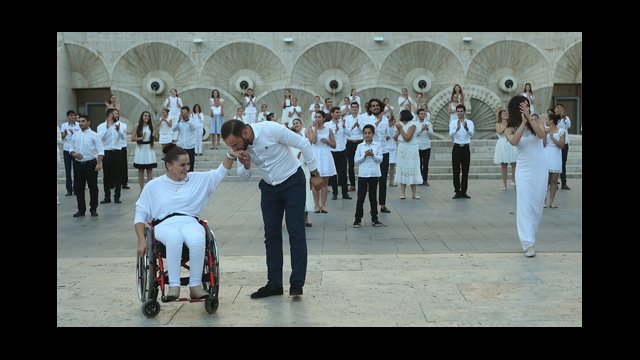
<point x="437" y="262"/>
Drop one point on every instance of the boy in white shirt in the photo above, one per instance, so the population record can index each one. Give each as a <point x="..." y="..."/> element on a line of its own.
<point x="368" y="157"/>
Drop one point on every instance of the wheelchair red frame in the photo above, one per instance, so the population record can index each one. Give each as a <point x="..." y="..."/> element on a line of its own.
<point x="151" y="273"/>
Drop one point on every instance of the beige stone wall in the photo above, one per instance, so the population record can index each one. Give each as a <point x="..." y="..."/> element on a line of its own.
<point x="127" y="63"/>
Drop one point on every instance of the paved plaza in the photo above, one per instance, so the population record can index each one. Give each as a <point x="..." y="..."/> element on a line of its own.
<point x="437" y="262"/>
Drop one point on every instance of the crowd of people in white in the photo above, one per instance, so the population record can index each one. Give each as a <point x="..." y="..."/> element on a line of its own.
<point x="344" y="136"/>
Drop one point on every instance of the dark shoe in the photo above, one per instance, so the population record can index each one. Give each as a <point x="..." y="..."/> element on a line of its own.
<point x="94" y="213"/>
<point x="347" y="197"/>
<point x="117" y="201"/>
<point x="78" y="214"/>
<point x="356" y="224"/>
<point x="334" y="197"/>
<point x="385" y="210"/>
<point x="465" y="196"/>
<point x="376" y="223"/>
<point x="565" y="187"/>
<point x="295" y="290"/>
<point x="352" y="188"/>
<point x="126" y="187"/>
<point x="105" y="201"/>
<point x="457" y="196"/>
<point x="69" y="193"/>
<point x="266" y="291"/>
<point x="308" y="224"/>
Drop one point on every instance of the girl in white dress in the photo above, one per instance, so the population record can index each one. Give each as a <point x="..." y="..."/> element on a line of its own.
<point x="528" y="93"/>
<point x="286" y="103"/>
<point x="217" y="114"/>
<point x="163" y="129"/>
<point x="505" y="153"/>
<point x="145" y="155"/>
<point x="392" y="146"/>
<point x="408" y="167"/>
<point x="553" y="151"/>
<point x="322" y="139"/>
<point x="453" y="115"/>
<point x="174" y="104"/>
<point x="198" y="119"/>
<point x="532" y="172"/>
<point x="308" y="205"/>
<point x="250" y="111"/>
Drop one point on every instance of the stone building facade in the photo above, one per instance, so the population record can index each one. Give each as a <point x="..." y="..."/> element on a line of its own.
<point x="91" y="66"/>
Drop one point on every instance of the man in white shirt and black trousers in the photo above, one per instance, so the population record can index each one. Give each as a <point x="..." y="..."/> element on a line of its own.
<point x="266" y="145"/>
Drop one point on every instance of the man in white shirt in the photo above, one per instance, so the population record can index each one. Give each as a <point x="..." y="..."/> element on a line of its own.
<point x="381" y="125"/>
<point x="66" y="131"/>
<point x="564" y="123"/>
<point x="424" y="143"/>
<point x="266" y="145"/>
<point x="339" y="153"/>
<point x="461" y="130"/>
<point x="186" y="135"/>
<point x="354" y="137"/>
<point x="87" y="151"/>
<point x="124" y="171"/>
<point x="110" y="134"/>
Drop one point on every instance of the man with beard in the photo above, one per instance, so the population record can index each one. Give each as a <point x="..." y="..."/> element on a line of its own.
<point x="266" y="145"/>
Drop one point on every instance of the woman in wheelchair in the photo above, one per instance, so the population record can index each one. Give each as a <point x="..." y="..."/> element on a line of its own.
<point x="172" y="202"/>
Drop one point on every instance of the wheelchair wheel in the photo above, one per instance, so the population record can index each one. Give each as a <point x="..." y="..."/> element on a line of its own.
<point x="145" y="268"/>
<point x="211" y="304"/>
<point x="212" y="287"/>
<point x="150" y="308"/>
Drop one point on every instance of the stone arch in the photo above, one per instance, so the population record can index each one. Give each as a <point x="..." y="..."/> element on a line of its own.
<point x="236" y="61"/>
<point x="518" y="59"/>
<point x="333" y="60"/>
<point x="569" y="66"/>
<point x="422" y="58"/>
<point x="87" y="69"/>
<point x="485" y="104"/>
<point x="154" y="60"/>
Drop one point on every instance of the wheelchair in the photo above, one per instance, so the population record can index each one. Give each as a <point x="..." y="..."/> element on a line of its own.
<point x="152" y="277"/>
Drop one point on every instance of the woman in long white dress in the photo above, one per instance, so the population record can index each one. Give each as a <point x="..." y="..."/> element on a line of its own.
<point x="553" y="151"/>
<point x="408" y="167"/>
<point x="531" y="174"/>
<point x="505" y="153"/>
<point x="308" y="205"/>
<point x="286" y="104"/>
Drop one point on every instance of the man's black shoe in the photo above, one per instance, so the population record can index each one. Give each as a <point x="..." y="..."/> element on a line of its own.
<point x="295" y="290"/>
<point x="385" y="210"/>
<point x="266" y="291"/>
<point x="94" y="213"/>
<point x="126" y="187"/>
<point x="69" y="193"/>
<point x="117" y="201"/>
<point x="334" y="197"/>
<point x="466" y="196"/>
<point x="347" y="197"/>
<point x="105" y="201"/>
<point x="457" y="196"/>
<point x="78" y="214"/>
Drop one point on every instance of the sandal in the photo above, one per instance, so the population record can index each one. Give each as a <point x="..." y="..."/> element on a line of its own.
<point x="324" y="210"/>
<point x="402" y="197"/>
<point x="553" y="206"/>
<point x="416" y="197"/>
<point x="317" y="210"/>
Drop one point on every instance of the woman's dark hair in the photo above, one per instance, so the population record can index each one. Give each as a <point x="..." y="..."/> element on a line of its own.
<point x="199" y="109"/>
<point x="171" y="153"/>
<point x="214" y="91"/>
<point x="141" y="125"/>
<point x="555" y="118"/>
<point x="515" y="116"/>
